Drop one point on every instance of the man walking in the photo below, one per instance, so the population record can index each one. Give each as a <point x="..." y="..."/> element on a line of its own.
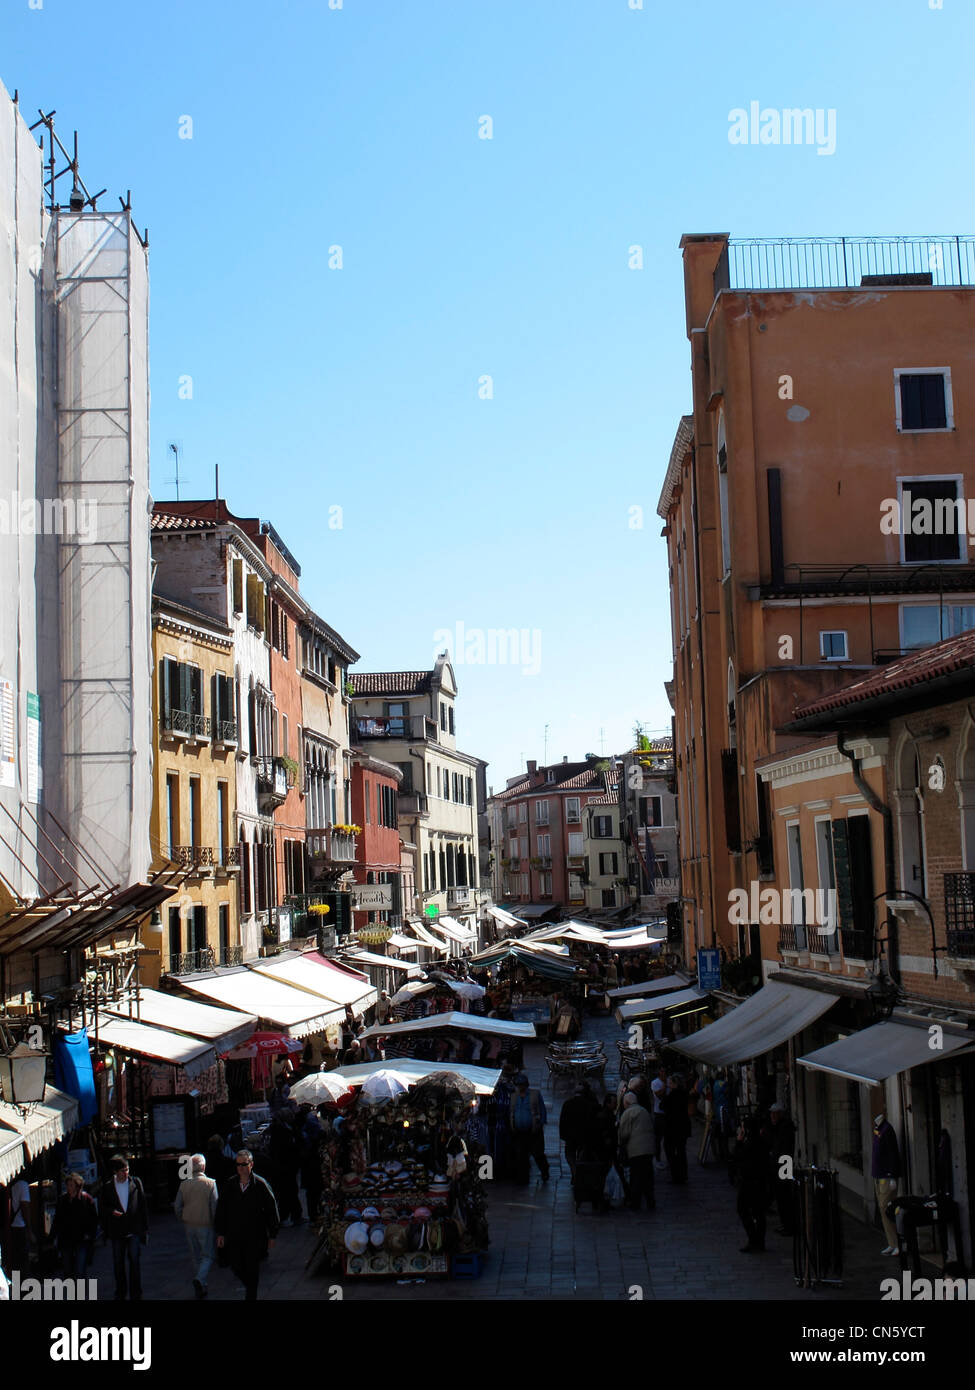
<point x="75" y="1227"/>
<point x="528" y="1131"/>
<point x="196" y="1206"/>
<point x="125" y="1220"/>
<point x="677" y="1129"/>
<point x="246" y="1222"/>
<point x="752" y="1176"/>
<point x="575" y="1122"/>
<point x="636" y="1144"/>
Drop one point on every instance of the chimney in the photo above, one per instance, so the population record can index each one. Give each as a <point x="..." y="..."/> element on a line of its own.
<point x="565" y="757"/>
<point x="532" y="765"/>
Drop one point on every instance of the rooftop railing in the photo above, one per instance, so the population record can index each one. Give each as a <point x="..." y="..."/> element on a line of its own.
<point x="787" y="263"/>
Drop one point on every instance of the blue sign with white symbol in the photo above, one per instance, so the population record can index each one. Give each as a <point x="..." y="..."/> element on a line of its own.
<point x="708" y="968"/>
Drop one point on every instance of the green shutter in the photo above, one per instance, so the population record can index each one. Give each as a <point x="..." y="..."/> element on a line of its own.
<point x="841" y="871"/>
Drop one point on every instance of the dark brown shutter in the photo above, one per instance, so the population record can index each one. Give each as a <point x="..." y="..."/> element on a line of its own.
<point x="732" y="812"/>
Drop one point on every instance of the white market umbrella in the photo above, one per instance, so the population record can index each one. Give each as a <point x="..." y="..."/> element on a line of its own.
<point x="319" y="1088"/>
<point x="467" y="989"/>
<point x="385" y="1084"/>
<point x="409" y="990"/>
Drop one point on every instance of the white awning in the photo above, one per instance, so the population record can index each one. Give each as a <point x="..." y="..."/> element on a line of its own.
<point x="776" y="1013"/>
<point x="505" y="919"/>
<point x="225" y="1028"/>
<point x="453" y="930"/>
<point x="648" y="988"/>
<point x="402" y="943"/>
<point x="371" y="958"/>
<point x="12" y="1155"/>
<point x="483" y="1079"/>
<point x="158" y="1044"/>
<point x="659" y="1004"/>
<point x="296" y="1012"/>
<point x="424" y="936"/>
<point x="885" y="1049"/>
<point x="321" y="977"/>
<point x="470" y="1023"/>
<point x="48" y="1122"/>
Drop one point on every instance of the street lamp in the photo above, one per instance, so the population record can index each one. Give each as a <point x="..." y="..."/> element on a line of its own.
<point x="23" y="1076"/>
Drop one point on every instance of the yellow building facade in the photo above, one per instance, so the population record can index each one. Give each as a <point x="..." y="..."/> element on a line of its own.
<point x="195" y="748"/>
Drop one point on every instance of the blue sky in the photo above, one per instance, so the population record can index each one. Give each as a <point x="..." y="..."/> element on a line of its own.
<point x="463" y="258"/>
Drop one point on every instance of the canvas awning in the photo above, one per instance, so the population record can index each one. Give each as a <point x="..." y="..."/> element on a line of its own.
<point x="659" y="1004"/>
<point x="12" y="1155"/>
<point x="469" y="1023"/>
<point x="505" y="919"/>
<point x="54" y="1118"/>
<point x="883" y="1050"/>
<point x="402" y="943"/>
<point x="296" y="1012"/>
<point x="649" y="987"/>
<point x="158" y="1044"/>
<point x="371" y="958"/>
<point x="452" y="930"/>
<point x="483" y="1079"/>
<point x="776" y="1013"/>
<point x="318" y="975"/>
<point x="427" y="940"/>
<point x="224" y="1028"/>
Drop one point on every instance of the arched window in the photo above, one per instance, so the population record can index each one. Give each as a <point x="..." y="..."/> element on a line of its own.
<point x="909" y="808"/>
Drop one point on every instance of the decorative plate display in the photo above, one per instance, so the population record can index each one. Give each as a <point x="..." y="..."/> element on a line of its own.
<point x="419" y="1262"/>
<point x="379" y="1264"/>
<point x="357" y="1264"/>
<point x="398" y="1264"/>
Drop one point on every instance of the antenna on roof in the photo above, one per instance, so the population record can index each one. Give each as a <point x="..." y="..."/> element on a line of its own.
<point x="545" y="754"/>
<point x="175" y="450"/>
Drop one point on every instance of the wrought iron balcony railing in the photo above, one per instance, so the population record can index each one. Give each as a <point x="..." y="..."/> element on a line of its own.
<point x="272" y="780"/>
<point x="232" y="955"/>
<point x="229" y="858"/>
<point x="190" y="962"/>
<point x="863" y="579"/>
<point x="225" y="731"/>
<point x="857" y="945"/>
<point x="179" y="721"/>
<point x="395" y="726"/>
<point x="192" y="856"/>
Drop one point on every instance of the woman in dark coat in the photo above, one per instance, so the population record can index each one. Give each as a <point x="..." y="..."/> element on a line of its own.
<point x="75" y="1227"/>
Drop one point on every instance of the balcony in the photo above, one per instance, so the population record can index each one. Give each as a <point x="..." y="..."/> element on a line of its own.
<point x="541" y="861"/>
<point x="178" y="723"/>
<point x="793" y="938"/>
<point x="196" y="859"/>
<point x="191" y="962"/>
<point x="458" y="897"/>
<point x="857" y="945"/>
<point x="228" y="860"/>
<point x="412" y="804"/>
<point x="232" y="955"/>
<point x="403" y="726"/>
<point x="272" y="782"/>
<point x="960" y="914"/>
<point x="225" y="732"/>
<point x="807" y="263"/>
<point x="576" y="861"/>
<point x="328" y="846"/>
<point x="824" y="581"/>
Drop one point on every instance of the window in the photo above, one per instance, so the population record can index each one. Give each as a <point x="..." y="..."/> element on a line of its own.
<point x="833" y="646"/>
<point x="224" y="709"/>
<point x="172" y="812"/>
<point x="367" y="797"/>
<point x="181" y="697"/>
<point x="397" y="715"/>
<point x="470" y="791"/>
<point x="798" y="904"/>
<point x="446" y="785"/>
<point x="443" y="716"/>
<point x="826" y="941"/>
<point x="577" y="892"/>
<point x="523" y="846"/>
<point x="222" y="820"/>
<point x="923" y="624"/>
<point x="245" y="876"/>
<point x="522" y="812"/>
<point x="929" y="510"/>
<point x="609" y="897"/>
<point x="406" y="786"/>
<point x="651" y="811"/>
<point x="195" y="812"/>
<point x="285" y="748"/>
<point x="572" y="813"/>
<point x="450" y="719"/>
<point x="256" y="607"/>
<point x="602" y="827"/>
<point x="541" y="813"/>
<point x="608" y="863"/>
<point x="545" y="885"/>
<point x="224" y="917"/>
<point x="922" y="398"/>
<point x="575" y="844"/>
<point x="544" y="845"/>
<point x="237" y="586"/>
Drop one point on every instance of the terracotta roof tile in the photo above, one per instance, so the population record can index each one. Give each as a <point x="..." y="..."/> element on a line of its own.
<point x="391" y="682"/>
<point x="171" y="521"/>
<point x="914" y="669"/>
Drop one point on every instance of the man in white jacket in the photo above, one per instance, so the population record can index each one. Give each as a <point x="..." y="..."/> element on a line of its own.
<point x="195" y="1206"/>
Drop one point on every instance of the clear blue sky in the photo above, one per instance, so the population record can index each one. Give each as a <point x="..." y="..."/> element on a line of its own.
<point x="465" y="257"/>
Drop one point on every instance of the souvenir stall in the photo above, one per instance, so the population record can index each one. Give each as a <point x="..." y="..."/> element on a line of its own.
<point x="403" y="1192"/>
<point x="525" y="975"/>
<point x="453" y="1037"/>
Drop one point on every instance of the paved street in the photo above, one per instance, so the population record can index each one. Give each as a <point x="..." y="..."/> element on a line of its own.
<point x="540" y="1249"/>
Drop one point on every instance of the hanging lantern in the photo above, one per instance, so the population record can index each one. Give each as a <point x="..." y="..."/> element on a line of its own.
<point x="23" y="1075"/>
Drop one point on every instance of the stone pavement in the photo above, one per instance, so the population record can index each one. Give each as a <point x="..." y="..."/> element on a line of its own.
<point x="687" y="1249"/>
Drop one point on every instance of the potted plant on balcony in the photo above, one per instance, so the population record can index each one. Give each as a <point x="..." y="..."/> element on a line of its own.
<point x="291" y="768"/>
<point x="349" y="689"/>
